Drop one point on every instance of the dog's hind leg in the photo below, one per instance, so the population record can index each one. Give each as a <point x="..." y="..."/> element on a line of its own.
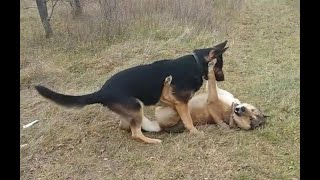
<point x="166" y="116"/>
<point x="132" y="111"/>
<point x="151" y="126"/>
<point x="136" y="125"/>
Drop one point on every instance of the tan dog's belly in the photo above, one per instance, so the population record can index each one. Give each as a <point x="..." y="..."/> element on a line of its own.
<point x="167" y="117"/>
<point x="199" y="110"/>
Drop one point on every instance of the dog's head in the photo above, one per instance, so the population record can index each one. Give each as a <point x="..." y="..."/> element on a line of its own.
<point x="247" y="117"/>
<point x="208" y="54"/>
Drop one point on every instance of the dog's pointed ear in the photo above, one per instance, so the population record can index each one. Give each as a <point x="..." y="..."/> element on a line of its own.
<point x="216" y="52"/>
<point x="222" y="51"/>
<point x="221" y="45"/>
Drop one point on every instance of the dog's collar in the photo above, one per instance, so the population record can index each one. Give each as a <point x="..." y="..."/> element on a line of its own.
<point x="200" y="65"/>
<point x="196" y="58"/>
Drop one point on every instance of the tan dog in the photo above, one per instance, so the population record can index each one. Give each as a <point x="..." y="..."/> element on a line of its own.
<point x="214" y="106"/>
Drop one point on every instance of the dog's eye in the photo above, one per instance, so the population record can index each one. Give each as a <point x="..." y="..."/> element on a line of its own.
<point x="251" y="118"/>
<point x="252" y="110"/>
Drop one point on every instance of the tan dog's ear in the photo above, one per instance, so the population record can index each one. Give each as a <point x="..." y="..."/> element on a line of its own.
<point x="265" y="116"/>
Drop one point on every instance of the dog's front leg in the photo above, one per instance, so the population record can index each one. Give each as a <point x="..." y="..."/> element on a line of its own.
<point x="166" y="95"/>
<point x="232" y="124"/>
<point x="184" y="113"/>
<point x="181" y="107"/>
<point x="213" y="94"/>
<point x="211" y="83"/>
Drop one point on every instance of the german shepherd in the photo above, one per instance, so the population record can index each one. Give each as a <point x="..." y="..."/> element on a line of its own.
<point x="214" y="106"/>
<point x="127" y="91"/>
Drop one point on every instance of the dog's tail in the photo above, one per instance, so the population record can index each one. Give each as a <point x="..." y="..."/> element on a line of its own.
<point x="68" y="100"/>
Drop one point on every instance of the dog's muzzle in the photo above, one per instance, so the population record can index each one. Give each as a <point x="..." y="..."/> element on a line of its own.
<point x="239" y="110"/>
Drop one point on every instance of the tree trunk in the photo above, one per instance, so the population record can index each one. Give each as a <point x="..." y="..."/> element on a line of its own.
<point x="76" y="8"/>
<point x="43" y="12"/>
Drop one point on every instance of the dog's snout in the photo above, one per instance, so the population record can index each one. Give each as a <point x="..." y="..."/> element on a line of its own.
<point x="243" y="108"/>
<point x="240" y="109"/>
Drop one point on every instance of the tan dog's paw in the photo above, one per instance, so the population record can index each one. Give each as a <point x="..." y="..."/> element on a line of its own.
<point x="196" y="131"/>
<point x="223" y="125"/>
<point x="232" y="126"/>
<point x="168" y="80"/>
<point x="211" y="64"/>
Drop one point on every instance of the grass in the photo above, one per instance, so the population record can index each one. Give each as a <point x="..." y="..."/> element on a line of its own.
<point x="261" y="68"/>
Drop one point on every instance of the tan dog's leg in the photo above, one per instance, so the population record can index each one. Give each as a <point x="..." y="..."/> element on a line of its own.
<point x="213" y="94"/>
<point x="231" y="120"/>
<point x="212" y="87"/>
<point x="166" y="96"/>
<point x="166" y="116"/>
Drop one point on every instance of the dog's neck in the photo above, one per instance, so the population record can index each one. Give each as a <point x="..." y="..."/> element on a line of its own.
<point x="196" y="58"/>
<point x="200" y="62"/>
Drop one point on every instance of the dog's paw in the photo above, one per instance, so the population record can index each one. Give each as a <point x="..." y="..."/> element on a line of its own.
<point x="232" y="126"/>
<point x="168" y="80"/>
<point x="211" y="64"/>
<point x="155" y="141"/>
<point x="196" y="131"/>
<point x="223" y="125"/>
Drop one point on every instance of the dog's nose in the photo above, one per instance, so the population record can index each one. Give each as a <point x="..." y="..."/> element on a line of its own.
<point x="243" y="108"/>
<point x="240" y="109"/>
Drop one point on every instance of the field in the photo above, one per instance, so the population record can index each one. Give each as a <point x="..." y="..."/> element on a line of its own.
<point x="262" y="67"/>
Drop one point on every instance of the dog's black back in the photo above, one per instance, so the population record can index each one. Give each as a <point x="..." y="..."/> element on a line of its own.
<point x="145" y="82"/>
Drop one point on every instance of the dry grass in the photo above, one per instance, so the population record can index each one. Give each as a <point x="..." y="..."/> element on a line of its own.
<point x="261" y="67"/>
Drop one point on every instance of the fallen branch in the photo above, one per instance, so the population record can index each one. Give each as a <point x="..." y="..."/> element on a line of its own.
<point x="29" y="7"/>
<point x="30" y="124"/>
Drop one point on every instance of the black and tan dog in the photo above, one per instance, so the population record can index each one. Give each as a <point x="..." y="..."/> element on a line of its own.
<point x="128" y="91"/>
<point x="214" y="106"/>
